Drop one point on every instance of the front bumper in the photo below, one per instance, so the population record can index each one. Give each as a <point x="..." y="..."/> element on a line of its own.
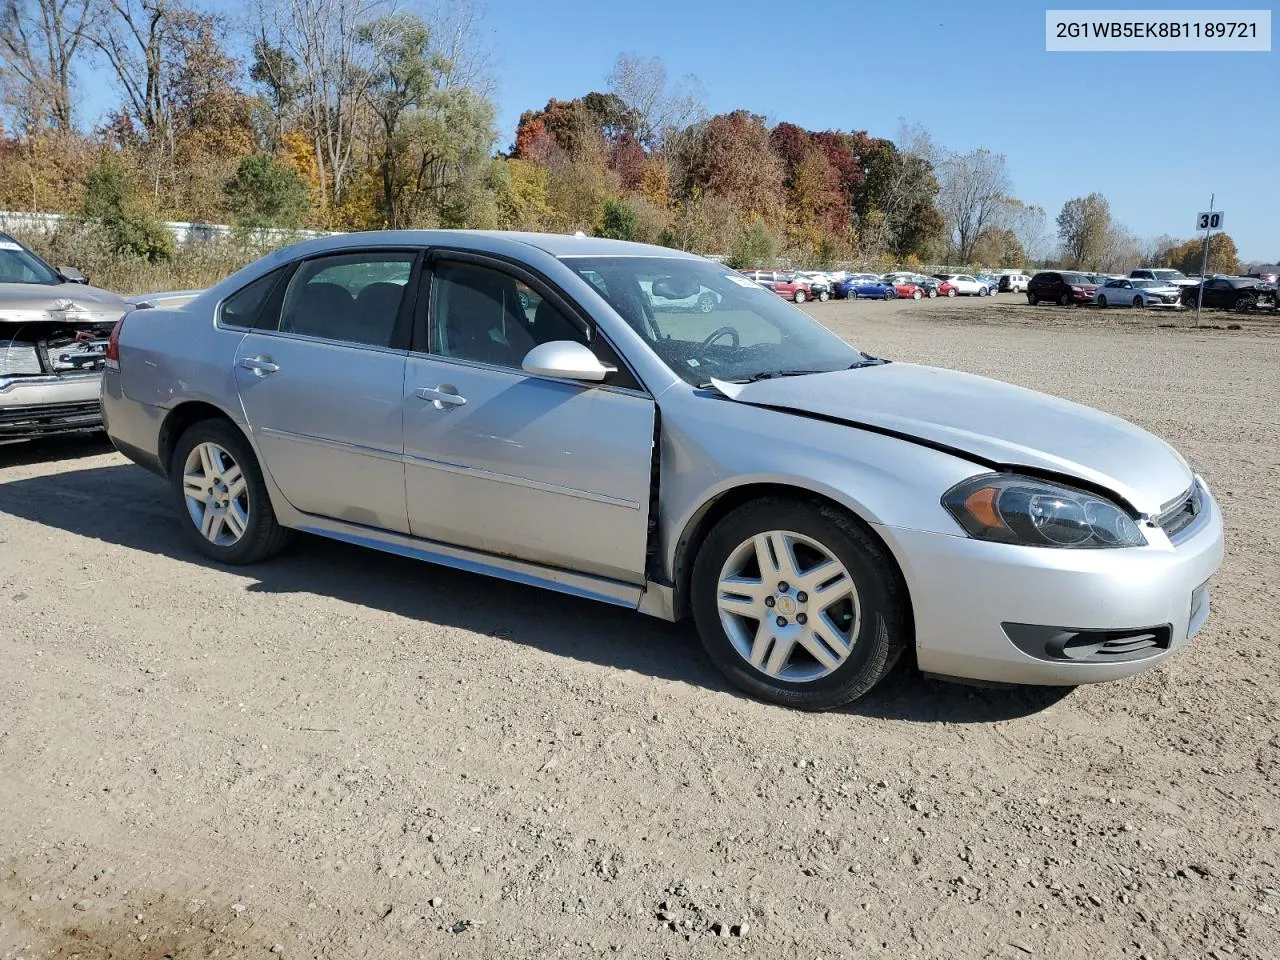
<point x="45" y="405"/>
<point x="964" y="592"/>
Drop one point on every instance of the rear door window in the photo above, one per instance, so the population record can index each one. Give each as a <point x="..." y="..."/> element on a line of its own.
<point x="351" y="297"/>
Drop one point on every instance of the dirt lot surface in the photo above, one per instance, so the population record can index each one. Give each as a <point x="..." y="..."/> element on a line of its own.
<point x="344" y="754"/>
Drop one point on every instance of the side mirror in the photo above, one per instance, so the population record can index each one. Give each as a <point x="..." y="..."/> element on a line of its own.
<point x="566" y="359"/>
<point x="72" y="275"/>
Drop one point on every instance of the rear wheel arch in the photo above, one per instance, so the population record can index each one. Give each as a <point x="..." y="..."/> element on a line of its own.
<point x="179" y="420"/>
<point x="718" y="507"/>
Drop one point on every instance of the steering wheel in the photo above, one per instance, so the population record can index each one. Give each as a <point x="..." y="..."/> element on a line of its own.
<point x="722" y="332"/>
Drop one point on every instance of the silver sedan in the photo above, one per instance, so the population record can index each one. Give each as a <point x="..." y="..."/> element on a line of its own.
<point x="519" y="405"/>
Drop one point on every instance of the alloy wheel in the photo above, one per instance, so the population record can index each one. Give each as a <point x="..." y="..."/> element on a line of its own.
<point x="788" y="606"/>
<point x="216" y="494"/>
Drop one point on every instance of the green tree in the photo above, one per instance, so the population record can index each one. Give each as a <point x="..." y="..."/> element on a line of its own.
<point x="266" y="193"/>
<point x="131" y="227"/>
<point x="433" y="138"/>
<point x="618" y="221"/>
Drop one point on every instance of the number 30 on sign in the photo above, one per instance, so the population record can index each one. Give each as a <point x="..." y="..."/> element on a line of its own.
<point x="1209" y="221"/>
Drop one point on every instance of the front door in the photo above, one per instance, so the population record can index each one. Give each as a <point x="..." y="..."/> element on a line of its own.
<point x="321" y="387"/>
<point x="549" y="471"/>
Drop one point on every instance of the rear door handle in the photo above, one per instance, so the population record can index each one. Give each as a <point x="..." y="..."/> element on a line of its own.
<point x="261" y="366"/>
<point x="441" y="396"/>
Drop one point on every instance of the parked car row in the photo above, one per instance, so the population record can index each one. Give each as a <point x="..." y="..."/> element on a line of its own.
<point x="1150" y="288"/>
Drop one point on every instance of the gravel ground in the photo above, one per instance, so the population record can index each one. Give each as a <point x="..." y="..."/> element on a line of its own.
<point x="345" y="754"/>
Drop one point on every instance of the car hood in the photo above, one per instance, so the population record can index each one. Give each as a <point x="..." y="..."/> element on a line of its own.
<point x="990" y="421"/>
<point x="34" y="302"/>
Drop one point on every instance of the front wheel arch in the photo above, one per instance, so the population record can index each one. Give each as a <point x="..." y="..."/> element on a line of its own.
<point x="721" y="505"/>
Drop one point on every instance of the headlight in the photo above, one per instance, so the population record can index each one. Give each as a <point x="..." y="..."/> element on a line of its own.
<point x="1006" y="508"/>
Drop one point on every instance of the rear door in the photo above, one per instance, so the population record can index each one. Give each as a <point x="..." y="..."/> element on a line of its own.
<point x="550" y="471"/>
<point x="321" y="385"/>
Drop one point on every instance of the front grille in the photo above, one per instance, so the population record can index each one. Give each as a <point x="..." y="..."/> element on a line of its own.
<point x="1178" y="516"/>
<point x="18" y="358"/>
<point x="34" y="419"/>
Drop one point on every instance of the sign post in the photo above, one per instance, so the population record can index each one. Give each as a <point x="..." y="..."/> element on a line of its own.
<point x="1208" y="221"/>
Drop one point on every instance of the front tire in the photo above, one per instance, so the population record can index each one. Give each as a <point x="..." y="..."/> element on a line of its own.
<point x="853" y="294"/>
<point x="983" y="291"/>
<point x="1064" y="300"/>
<point x="951" y="292"/>
<point x="824" y="296"/>
<point x="222" y="497"/>
<point x="917" y="294"/>
<point x="799" y="296"/>
<point x="1138" y="303"/>
<point x="933" y="293"/>
<point x="798" y="604"/>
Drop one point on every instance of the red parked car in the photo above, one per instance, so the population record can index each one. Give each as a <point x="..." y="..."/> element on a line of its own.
<point x="786" y="285"/>
<point x="948" y="289"/>
<point x="908" y="290"/>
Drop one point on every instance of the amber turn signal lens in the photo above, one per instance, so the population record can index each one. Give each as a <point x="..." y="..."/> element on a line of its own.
<point x="981" y="505"/>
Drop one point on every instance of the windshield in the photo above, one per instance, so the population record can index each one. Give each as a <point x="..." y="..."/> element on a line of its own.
<point x="1168" y="275"/>
<point x="1076" y="278"/>
<point x="703" y="320"/>
<point x="1144" y="283"/>
<point x="18" y="265"/>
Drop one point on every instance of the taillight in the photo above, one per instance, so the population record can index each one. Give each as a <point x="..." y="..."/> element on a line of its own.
<point x="113" y="346"/>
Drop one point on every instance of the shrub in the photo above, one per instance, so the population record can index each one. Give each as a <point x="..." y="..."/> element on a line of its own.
<point x="110" y="199"/>
<point x="755" y="246"/>
<point x="618" y="221"/>
<point x="266" y="193"/>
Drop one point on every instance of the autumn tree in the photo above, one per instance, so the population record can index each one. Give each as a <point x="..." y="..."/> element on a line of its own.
<point x="735" y="160"/>
<point x="1083" y="228"/>
<point x="1223" y="255"/>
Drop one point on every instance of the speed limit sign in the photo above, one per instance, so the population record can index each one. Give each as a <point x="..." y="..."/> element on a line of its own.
<point x="1210" y="220"/>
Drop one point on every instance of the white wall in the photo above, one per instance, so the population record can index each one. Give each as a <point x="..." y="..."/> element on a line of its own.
<point x="183" y="233"/>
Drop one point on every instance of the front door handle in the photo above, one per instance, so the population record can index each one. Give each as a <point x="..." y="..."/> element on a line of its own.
<point x="442" y="396"/>
<point x="261" y="366"/>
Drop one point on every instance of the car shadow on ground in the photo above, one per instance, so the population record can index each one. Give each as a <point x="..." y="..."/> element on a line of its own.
<point x="125" y="505"/>
<point x="21" y="453"/>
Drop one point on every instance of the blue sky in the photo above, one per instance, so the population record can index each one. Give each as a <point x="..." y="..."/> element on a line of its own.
<point x="974" y="74"/>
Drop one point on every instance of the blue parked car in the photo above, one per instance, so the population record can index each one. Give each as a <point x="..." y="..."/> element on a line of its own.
<point x="866" y="285"/>
<point x="993" y="283"/>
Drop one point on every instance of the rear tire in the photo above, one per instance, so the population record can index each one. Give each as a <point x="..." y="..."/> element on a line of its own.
<point x="1102" y="302"/>
<point x="875" y="620"/>
<point x="951" y="292"/>
<point x="213" y="460"/>
<point x="933" y="294"/>
<point x="917" y="294"/>
<point x="824" y="296"/>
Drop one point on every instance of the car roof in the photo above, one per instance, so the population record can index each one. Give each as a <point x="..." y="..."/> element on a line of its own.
<point x="492" y="241"/>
